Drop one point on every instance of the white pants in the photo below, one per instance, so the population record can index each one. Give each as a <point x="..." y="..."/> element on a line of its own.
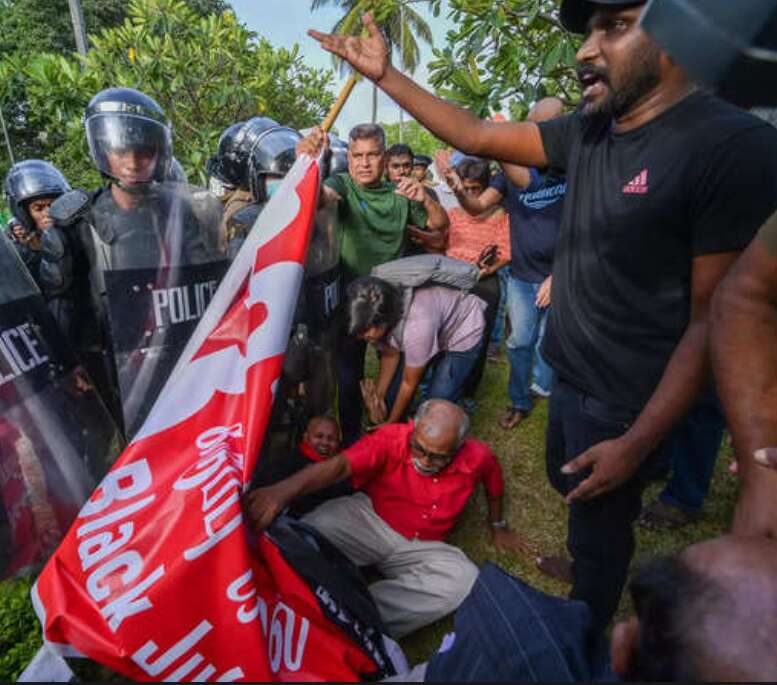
<point x="424" y="580"/>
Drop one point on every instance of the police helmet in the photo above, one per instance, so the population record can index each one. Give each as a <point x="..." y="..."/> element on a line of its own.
<point x="122" y="119"/>
<point x="228" y="166"/>
<point x="338" y="160"/>
<point x="176" y="173"/>
<point x="30" y="180"/>
<point x="273" y="152"/>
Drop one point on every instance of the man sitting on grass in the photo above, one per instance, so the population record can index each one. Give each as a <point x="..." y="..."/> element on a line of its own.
<point x="413" y="480"/>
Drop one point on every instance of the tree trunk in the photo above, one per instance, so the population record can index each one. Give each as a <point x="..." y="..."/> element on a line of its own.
<point x="374" y="103"/>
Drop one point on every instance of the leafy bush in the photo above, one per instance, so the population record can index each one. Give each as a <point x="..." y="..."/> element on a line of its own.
<point x="20" y="633"/>
<point x="207" y="72"/>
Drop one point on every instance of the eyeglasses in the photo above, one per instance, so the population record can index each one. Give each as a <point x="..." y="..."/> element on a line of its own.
<point x="434" y="457"/>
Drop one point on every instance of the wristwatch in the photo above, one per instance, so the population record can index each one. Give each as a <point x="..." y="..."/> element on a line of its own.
<point x="501" y="525"/>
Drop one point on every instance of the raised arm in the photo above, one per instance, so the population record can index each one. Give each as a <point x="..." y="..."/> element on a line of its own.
<point x="507" y="142"/>
<point x="474" y="205"/>
<point x="312" y="145"/>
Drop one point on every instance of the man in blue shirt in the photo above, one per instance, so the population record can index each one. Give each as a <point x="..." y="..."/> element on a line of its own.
<point x="534" y="200"/>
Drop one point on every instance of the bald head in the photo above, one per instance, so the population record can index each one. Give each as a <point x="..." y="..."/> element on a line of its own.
<point x="442" y="422"/>
<point x="707" y="614"/>
<point x="546" y="109"/>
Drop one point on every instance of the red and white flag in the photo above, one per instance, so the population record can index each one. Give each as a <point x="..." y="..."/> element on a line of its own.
<point x="159" y="578"/>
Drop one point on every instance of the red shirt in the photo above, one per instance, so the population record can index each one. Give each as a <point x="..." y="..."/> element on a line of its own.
<point x="416" y="506"/>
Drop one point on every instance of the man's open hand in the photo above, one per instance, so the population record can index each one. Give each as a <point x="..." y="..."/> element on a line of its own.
<point x="369" y="56"/>
<point x="612" y="462"/>
<point x="263" y="505"/>
<point x="507" y="540"/>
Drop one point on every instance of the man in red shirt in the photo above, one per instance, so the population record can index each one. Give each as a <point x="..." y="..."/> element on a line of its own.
<point x="414" y="480"/>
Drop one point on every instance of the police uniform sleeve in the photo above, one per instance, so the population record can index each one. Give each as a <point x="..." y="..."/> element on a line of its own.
<point x="558" y="137"/>
<point x="56" y="269"/>
<point x="735" y="193"/>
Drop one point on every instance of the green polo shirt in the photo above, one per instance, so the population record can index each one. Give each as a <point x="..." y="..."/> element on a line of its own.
<point x="373" y="222"/>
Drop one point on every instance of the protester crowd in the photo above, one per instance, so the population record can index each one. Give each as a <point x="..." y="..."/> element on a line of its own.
<point x="592" y="238"/>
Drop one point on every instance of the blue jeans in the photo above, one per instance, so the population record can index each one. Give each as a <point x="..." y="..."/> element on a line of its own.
<point x="692" y="450"/>
<point x="527" y="322"/>
<point x="497" y="333"/>
<point x="444" y="377"/>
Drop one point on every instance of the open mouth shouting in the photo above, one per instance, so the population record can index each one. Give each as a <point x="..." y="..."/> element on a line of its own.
<point x="593" y="81"/>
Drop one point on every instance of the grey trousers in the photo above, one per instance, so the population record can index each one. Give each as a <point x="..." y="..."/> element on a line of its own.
<point x="424" y="581"/>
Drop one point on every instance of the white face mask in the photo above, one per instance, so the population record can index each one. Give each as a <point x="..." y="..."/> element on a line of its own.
<point x="272" y="185"/>
<point x="216" y="187"/>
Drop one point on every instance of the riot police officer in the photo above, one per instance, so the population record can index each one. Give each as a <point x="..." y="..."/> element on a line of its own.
<point x="56" y="438"/>
<point x="266" y="150"/>
<point x="144" y="254"/>
<point x="31" y="186"/>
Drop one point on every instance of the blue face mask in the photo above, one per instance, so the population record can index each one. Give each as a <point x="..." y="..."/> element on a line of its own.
<point x="271" y="185"/>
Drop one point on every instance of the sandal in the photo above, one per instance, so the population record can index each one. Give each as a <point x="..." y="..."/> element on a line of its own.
<point x="662" y="516"/>
<point x="512" y="418"/>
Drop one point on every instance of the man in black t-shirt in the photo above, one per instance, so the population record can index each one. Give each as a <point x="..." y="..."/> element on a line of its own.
<point x="665" y="186"/>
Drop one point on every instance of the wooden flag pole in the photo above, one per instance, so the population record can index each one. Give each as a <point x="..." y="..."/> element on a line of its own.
<point x="341" y="100"/>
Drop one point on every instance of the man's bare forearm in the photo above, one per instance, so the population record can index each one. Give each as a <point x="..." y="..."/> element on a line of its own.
<point x="519" y="143"/>
<point x="495" y="509"/>
<point x="518" y="175"/>
<point x="683" y="379"/>
<point x="744" y="337"/>
<point x="315" y="477"/>
<point x="438" y="217"/>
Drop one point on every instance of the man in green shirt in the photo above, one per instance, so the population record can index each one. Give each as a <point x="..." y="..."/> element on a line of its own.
<point x="377" y="216"/>
<point x="377" y="220"/>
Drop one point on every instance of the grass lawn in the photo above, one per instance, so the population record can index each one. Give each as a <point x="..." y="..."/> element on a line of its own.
<point x="534" y="509"/>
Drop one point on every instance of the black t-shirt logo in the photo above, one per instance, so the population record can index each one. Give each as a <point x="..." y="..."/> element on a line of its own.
<point x="638" y="185"/>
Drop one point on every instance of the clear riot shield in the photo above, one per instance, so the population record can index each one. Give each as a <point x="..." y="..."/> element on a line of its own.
<point x="57" y="440"/>
<point x="155" y="265"/>
<point x="322" y="293"/>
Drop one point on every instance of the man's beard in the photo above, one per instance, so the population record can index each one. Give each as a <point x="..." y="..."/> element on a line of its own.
<point x="643" y="76"/>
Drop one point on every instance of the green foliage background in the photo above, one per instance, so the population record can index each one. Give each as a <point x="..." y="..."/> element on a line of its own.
<point x="505" y="55"/>
<point x="19" y="628"/>
<point x="207" y="72"/>
<point x="416" y="136"/>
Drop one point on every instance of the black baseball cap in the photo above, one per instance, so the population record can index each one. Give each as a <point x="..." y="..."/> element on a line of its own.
<point x="576" y="13"/>
<point x="422" y="160"/>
